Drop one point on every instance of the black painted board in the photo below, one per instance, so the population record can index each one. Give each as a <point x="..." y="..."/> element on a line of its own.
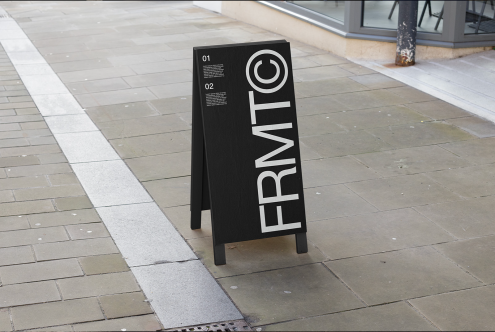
<point x="251" y="143"/>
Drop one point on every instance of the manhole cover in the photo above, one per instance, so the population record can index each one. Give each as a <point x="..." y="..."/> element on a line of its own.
<point x="236" y="325"/>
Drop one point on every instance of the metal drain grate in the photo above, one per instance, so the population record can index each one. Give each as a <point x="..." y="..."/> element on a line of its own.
<point x="236" y="325"/>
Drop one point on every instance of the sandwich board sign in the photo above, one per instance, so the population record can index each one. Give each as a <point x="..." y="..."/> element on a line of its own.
<point x="246" y="164"/>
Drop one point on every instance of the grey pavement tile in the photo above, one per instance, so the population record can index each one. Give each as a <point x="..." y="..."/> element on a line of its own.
<point x="32" y="236"/>
<point x="173" y="105"/>
<point x="19" y="99"/>
<point x="319" y="124"/>
<point x="13" y="84"/>
<point x="26" y="58"/>
<point x="411" y="94"/>
<point x="122" y="305"/>
<point x="320" y="73"/>
<point x="438" y="110"/>
<point x="376" y="117"/>
<point x="144" y="235"/>
<point x="389" y="317"/>
<point x="33" y="170"/>
<point x="29" y="150"/>
<point x="136" y="323"/>
<point x="27" y="111"/>
<point x="471" y="181"/>
<point x="475" y="126"/>
<point x="109" y="44"/>
<point x="176" y="76"/>
<point x="42" y="140"/>
<point x="101" y="85"/>
<point x="52" y="158"/>
<point x="34" y="69"/>
<point x="327" y="87"/>
<point x="457" y="311"/>
<point x="172" y="90"/>
<point x="64" y="218"/>
<point x="72" y="203"/>
<point x="16" y="255"/>
<point x="62" y="179"/>
<point x="374" y="232"/>
<point x="6" y="196"/>
<point x="104" y="284"/>
<point x="77" y="248"/>
<point x="402" y="191"/>
<point x="180" y="216"/>
<point x="303" y="62"/>
<point x="88" y="146"/>
<point x="464" y="219"/>
<point x="399" y="275"/>
<point x="24" y="182"/>
<point x="79" y="65"/>
<point x="70" y="123"/>
<point x="18" y="208"/>
<point x="57" y="313"/>
<point x="48" y="192"/>
<point x="306" y="152"/>
<point x="474" y="255"/>
<point x="115" y="97"/>
<point x="167" y="39"/>
<point x="87" y="231"/>
<point x="323" y="172"/>
<point x="57" y="269"/>
<point x="11" y="93"/>
<point x="334" y="201"/>
<point x="13" y="223"/>
<point x="356" y="69"/>
<point x="160" y="166"/>
<point x="150" y="145"/>
<point x="276" y="296"/>
<point x="8" y="143"/>
<point x="170" y="192"/>
<point x="43" y="84"/>
<point x="21" y="118"/>
<point x="255" y="256"/>
<point x="412" y="160"/>
<point x="35" y="124"/>
<point x="29" y="293"/>
<point x="478" y="151"/>
<point x="143" y="126"/>
<point x="101" y="264"/>
<point x="377" y="81"/>
<point x="110" y="183"/>
<point x="420" y="134"/>
<point x="162" y="67"/>
<point x="327" y="59"/>
<point x="191" y="303"/>
<point x="9" y="126"/>
<point x="5" y="320"/>
<point x="95" y="74"/>
<point x="342" y="144"/>
<point x="121" y="112"/>
<point x="57" y="104"/>
<point x="134" y="59"/>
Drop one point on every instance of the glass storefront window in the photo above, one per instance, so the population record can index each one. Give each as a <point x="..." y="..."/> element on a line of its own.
<point x="333" y="9"/>
<point x="480" y="17"/>
<point x="384" y="14"/>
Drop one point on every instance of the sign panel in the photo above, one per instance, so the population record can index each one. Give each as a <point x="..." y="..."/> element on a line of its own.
<point x="246" y="163"/>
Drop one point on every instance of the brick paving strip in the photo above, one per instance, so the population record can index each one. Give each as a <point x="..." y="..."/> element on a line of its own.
<point x="159" y="258"/>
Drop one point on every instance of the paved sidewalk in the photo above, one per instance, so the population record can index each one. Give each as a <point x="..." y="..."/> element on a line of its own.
<point x="399" y="199"/>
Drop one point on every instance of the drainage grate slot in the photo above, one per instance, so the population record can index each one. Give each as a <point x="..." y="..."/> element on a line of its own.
<point x="236" y="325"/>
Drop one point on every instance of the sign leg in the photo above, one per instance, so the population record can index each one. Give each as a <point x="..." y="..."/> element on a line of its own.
<point x="219" y="254"/>
<point x="301" y="243"/>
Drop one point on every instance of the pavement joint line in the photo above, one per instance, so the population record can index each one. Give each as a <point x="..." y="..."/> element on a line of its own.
<point x="120" y="215"/>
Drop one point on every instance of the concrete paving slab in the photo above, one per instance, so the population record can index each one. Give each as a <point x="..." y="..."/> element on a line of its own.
<point x="115" y="97"/>
<point x="63" y="218"/>
<point x="180" y="216"/>
<point x="474" y="255"/>
<point x="170" y="192"/>
<point x="77" y="248"/>
<point x="477" y="151"/>
<point x="87" y="231"/>
<point x="81" y="147"/>
<point x="121" y="111"/>
<point x="389" y="317"/>
<point x="122" y="305"/>
<point x="13" y="223"/>
<point x="29" y="293"/>
<point x="150" y="145"/>
<point x="463" y="310"/>
<point x="403" y="191"/>
<point x="16" y="255"/>
<point x="101" y="85"/>
<point x="5" y="324"/>
<point x="70" y="124"/>
<point x="475" y="126"/>
<point x="200" y="298"/>
<point x="17" y="274"/>
<point x="110" y="183"/>
<point x="255" y="256"/>
<point x="57" y="104"/>
<point x="279" y="295"/>
<point x="373" y="233"/>
<point x="438" y="110"/>
<point x="161" y="166"/>
<point x="101" y="264"/>
<point x="136" y="323"/>
<point x="18" y="45"/>
<point x="377" y="81"/>
<point x="47" y="84"/>
<point x="144" y="235"/>
<point x="26" y="58"/>
<point x="399" y="275"/>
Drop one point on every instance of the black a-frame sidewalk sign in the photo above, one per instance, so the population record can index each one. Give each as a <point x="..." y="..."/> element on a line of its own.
<point x="246" y="164"/>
